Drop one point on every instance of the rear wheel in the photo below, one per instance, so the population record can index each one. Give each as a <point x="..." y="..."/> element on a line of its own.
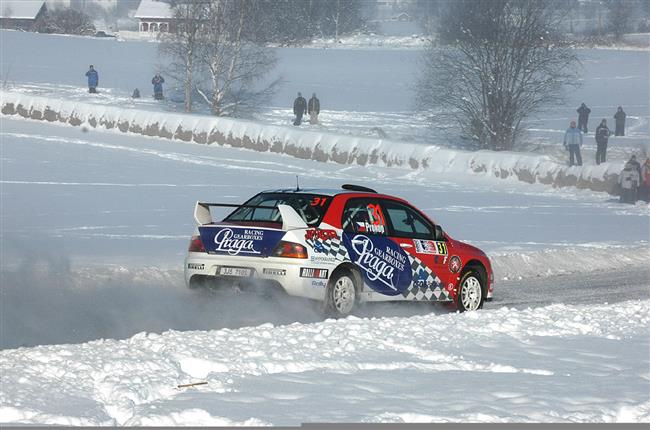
<point x="470" y="294"/>
<point x="341" y="294"/>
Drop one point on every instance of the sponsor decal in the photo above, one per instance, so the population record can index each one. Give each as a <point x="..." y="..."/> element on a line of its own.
<point x="318" y="234"/>
<point x="385" y="266"/>
<point x="195" y="266"/>
<point x="321" y="284"/>
<point x="322" y="259"/>
<point x="455" y="264"/>
<point x="239" y="241"/>
<point x="450" y="287"/>
<point x="430" y="247"/>
<point x="308" y="272"/>
<point x="274" y="272"/>
<point x="376" y="222"/>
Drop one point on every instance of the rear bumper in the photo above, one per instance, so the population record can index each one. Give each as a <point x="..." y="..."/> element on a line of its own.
<point x="272" y="272"/>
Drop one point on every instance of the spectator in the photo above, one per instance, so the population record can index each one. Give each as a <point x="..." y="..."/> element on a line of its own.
<point x="635" y="164"/>
<point x="93" y="79"/>
<point x="313" y="108"/>
<point x="573" y="142"/>
<point x="629" y="181"/>
<point x="602" y="136"/>
<point x="158" y="82"/>
<point x="299" y="108"/>
<point x="644" y="189"/>
<point x="136" y="94"/>
<point x="583" y="117"/>
<point x="619" y="116"/>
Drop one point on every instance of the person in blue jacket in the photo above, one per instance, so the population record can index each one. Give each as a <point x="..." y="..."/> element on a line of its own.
<point x="93" y="79"/>
<point x="158" y="82"/>
<point x="573" y="142"/>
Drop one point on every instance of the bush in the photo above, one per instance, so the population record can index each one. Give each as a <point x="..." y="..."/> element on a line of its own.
<point x="67" y="21"/>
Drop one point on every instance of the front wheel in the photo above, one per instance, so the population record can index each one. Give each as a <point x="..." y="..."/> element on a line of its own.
<point x="341" y="295"/>
<point x="470" y="295"/>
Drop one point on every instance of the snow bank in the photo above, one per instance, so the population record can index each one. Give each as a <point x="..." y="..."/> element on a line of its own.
<point x="583" y="259"/>
<point x="317" y="146"/>
<point x="504" y="365"/>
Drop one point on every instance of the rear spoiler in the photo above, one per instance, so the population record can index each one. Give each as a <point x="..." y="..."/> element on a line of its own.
<point x="290" y="218"/>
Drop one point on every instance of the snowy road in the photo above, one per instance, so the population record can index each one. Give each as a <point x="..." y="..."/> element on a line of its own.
<point x="105" y="218"/>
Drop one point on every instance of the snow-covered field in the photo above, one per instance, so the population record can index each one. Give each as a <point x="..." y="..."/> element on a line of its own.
<point x="97" y="327"/>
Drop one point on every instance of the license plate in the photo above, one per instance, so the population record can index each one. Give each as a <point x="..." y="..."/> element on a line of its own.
<point x="234" y="271"/>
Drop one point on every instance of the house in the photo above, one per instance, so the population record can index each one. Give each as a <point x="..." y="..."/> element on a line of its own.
<point x="22" y="15"/>
<point x="155" y="16"/>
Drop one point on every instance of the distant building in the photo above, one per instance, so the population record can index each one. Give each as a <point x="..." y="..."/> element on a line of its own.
<point x="22" y="15"/>
<point x="155" y="16"/>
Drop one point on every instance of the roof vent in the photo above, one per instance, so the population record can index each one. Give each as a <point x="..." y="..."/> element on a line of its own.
<point x="351" y="187"/>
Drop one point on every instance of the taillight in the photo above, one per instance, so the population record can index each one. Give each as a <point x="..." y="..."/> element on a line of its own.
<point x="290" y="250"/>
<point x="196" y="245"/>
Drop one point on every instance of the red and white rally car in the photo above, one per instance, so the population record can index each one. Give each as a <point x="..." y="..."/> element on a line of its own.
<point x="341" y="247"/>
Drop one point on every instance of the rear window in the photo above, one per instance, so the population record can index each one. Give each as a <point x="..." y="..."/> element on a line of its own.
<point x="310" y="207"/>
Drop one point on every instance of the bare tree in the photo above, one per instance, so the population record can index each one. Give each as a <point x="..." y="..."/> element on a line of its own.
<point x="181" y="45"/>
<point x="620" y="17"/>
<point x="504" y="62"/>
<point x="233" y="64"/>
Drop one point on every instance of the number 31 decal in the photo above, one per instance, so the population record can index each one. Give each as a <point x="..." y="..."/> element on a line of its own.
<point x="318" y="201"/>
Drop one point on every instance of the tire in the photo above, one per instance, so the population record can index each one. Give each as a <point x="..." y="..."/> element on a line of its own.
<point x="341" y="295"/>
<point x="471" y="292"/>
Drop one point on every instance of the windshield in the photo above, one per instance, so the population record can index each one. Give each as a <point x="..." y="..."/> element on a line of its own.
<point x="310" y="207"/>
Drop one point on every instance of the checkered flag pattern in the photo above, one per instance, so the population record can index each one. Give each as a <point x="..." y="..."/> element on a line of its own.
<point x="331" y="247"/>
<point x="426" y="285"/>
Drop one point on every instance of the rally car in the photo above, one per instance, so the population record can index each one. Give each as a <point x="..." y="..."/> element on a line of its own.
<point x="341" y="247"/>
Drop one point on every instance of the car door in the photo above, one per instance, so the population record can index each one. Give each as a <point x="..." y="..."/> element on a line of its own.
<point x="383" y="264"/>
<point x="416" y="235"/>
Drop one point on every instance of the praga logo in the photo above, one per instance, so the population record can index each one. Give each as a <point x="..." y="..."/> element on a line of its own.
<point x="385" y="266"/>
<point x="376" y="222"/>
<point x="234" y="244"/>
<point x="239" y="241"/>
<point x="430" y="247"/>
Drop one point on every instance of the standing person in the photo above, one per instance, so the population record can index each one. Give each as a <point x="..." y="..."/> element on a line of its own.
<point x="158" y="82"/>
<point x="299" y="108"/>
<point x="313" y="108"/>
<point x="619" y="116"/>
<point x="602" y="137"/>
<point x="583" y="117"/>
<point x="629" y="181"/>
<point x="93" y="79"/>
<point x="644" y="189"/>
<point x="573" y="142"/>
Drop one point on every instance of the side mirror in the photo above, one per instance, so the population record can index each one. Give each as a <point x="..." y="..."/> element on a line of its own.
<point x="440" y="235"/>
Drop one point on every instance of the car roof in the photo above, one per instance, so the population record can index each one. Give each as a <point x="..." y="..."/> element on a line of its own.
<point x="321" y="191"/>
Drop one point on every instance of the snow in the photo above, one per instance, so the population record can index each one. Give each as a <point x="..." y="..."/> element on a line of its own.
<point x="20" y="9"/>
<point x="98" y="328"/>
<point x="373" y="370"/>
<point x="153" y="9"/>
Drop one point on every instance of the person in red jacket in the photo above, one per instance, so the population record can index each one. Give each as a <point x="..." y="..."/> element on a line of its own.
<point x="644" y="193"/>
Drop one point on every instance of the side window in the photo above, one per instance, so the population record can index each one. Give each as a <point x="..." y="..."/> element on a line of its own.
<point x="364" y="216"/>
<point x="407" y="222"/>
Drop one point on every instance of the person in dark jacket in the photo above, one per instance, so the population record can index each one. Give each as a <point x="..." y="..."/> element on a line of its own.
<point x="644" y="189"/>
<point x="628" y="179"/>
<point x="583" y="117"/>
<point x="313" y="108"/>
<point x="158" y="82"/>
<point x="136" y="94"/>
<point x="573" y="142"/>
<point x="93" y="79"/>
<point x="619" y="116"/>
<point x="602" y="137"/>
<point x="299" y="108"/>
